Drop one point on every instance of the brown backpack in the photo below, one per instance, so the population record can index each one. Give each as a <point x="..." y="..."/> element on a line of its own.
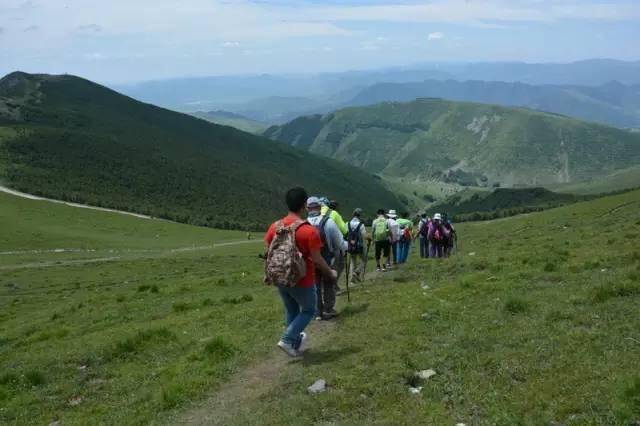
<point x="284" y="265"/>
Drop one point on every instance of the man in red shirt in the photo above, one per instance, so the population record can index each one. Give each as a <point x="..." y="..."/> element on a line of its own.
<point x="300" y="301"/>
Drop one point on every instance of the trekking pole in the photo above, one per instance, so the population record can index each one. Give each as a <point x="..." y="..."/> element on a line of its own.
<point x="347" y="268"/>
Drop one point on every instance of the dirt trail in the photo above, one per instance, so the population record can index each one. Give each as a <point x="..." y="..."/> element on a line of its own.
<point x="250" y="385"/>
<point x="121" y="258"/>
<point x="67" y="203"/>
<point x="255" y="380"/>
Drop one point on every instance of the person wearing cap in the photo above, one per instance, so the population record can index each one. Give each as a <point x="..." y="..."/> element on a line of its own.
<point x="436" y="237"/>
<point x="394" y="229"/>
<point x="334" y="246"/>
<point x="330" y="208"/>
<point x="356" y="237"/>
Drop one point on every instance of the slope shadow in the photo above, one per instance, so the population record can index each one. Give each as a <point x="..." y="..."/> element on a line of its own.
<point x="313" y="357"/>
<point x="351" y="310"/>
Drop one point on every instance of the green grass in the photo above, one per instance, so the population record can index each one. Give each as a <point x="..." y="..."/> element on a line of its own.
<point x="512" y="340"/>
<point x="616" y="181"/>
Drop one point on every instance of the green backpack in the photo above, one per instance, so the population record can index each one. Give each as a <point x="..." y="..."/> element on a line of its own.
<point x="381" y="229"/>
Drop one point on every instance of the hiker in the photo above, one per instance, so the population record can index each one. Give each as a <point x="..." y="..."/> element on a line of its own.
<point x="295" y="276"/>
<point x="381" y="236"/>
<point x="450" y="234"/>
<point x="436" y="237"/>
<point x="356" y="237"/>
<point x="423" y="230"/>
<point x="395" y="234"/>
<point x="329" y="208"/>
<point x="405" y="236"/>
<point x="333" y="249"/>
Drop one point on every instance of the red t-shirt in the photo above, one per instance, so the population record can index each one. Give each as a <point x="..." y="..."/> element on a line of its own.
<point x="307" y="240"/>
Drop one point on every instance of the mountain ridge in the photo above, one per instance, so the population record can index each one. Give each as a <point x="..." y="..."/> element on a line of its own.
<point x="468" y="143"/>
<point x="67" y="138"/>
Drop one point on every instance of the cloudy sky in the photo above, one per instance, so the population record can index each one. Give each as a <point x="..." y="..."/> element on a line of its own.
<point x="116" y="41"/>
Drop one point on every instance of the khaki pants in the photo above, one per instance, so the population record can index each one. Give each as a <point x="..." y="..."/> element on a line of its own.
<point x="357" y="265"/>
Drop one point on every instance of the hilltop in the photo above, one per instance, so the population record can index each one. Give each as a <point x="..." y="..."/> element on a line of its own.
<point x="67" y="138"/>
<point x="465" y="143"/>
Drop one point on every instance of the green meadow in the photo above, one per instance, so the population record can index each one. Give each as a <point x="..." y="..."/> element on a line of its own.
<point x="534" y="321"/>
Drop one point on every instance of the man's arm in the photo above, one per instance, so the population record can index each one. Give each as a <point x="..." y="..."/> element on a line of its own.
<point x="319" y="263"/>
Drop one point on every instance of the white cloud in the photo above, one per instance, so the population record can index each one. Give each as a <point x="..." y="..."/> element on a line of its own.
<point x="230" y="44"/>
<point x="435" y="36"/>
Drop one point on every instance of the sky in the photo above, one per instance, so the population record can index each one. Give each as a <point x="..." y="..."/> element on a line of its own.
<point x="118" y="41"/>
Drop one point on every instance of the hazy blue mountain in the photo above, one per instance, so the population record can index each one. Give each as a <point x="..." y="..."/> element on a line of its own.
<point x="613" y="103"/>
<point x="592" y="72"/>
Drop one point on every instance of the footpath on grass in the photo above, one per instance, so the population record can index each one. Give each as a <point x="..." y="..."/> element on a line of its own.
<point x="70" y="204"/>
<point x="256" y="381"/>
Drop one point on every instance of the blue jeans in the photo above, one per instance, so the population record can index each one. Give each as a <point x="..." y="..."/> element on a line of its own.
<point x="299" y="309"/>
<point x="403" y="250"/>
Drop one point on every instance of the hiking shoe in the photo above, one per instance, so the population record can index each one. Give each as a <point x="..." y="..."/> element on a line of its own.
<point x="289" y="349"/>
<point x="304" y="342"/>
<point x="330" y="314"/>
<point x="378" y="269"/>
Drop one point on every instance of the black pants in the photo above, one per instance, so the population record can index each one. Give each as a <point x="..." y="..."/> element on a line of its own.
<point x="382" y="248"/>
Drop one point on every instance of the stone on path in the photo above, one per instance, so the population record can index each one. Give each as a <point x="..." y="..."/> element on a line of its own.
<point x="425" y="374"/>
<point x="318" y="387"/>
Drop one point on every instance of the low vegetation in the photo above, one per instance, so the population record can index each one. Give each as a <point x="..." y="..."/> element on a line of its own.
<point x="533" y="321"/>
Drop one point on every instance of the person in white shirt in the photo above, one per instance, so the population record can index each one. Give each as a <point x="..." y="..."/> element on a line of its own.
<point x="395" y="233"/>
<point x="357" y="245"/>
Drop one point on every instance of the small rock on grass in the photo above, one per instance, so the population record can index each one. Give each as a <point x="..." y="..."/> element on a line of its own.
<point x="415" y="391"/>
<point x="75" y="401"/>
<point x="318" y="387"/>
<point x="425" y="374"/>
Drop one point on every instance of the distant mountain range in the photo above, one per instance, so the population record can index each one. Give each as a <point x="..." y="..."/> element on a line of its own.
<point x="68" y="138"/>
<point x="613" y="103"/>
<point x="226" y="118"/>
<point x="465" y="143"/>
<point x="223" y="92"/>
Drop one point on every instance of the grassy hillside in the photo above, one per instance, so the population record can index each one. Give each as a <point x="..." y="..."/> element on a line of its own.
<point x="613" y="103"/>
<point x="618" y="180"/>
<point x="65" y="137"/>
<point x="537" y="326"/>
<point x="225" y="118"/>
<point x="464" y="143"/>
<point x="501" y="202"/>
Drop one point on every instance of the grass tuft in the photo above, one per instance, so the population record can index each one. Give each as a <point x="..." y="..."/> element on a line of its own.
<point x="605" y="292"/>
<point x="220" y="349"/>
<point x="34" y="377"/>
<point x="135" y="343"/>
<point x="181" y="307"/>
<point x="238" y="300"/>
<point x="516" y="306"/>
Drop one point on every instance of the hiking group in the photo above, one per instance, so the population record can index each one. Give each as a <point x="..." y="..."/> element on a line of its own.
<point x="306" y="257"/>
